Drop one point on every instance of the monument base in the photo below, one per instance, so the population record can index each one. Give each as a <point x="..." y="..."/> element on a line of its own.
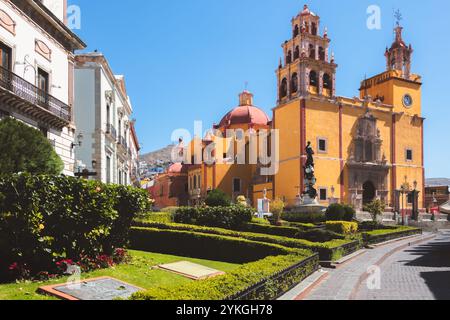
<point x="309" y="205"/>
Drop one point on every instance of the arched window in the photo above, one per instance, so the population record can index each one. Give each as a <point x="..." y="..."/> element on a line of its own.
<point x="321" y="54"/>
<point x="297" y="53"/>
<point x="283" y="88"/>
<point x="314" y="29"/>
<point x="289" y="57"/>
<point x="327" y="82"/>
<point x="312" y="51"/>
<point x="296" y="30"/>
<point x="294" y="83"/>
<point x="313" y="79"/>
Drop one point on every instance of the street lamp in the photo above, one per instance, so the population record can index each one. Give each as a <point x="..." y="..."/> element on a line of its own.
<point x="80" y="138"/>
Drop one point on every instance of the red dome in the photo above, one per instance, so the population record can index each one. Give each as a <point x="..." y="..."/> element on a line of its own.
<point x="245" y="113"/>
<point x="175" y="168"/>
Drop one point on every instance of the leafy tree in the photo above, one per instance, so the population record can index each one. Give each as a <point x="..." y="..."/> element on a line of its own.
<point x="277" y="209"/>
<point x="217" y="198"/>
<point x="375" y="208"/>
<point x="25" y="149"/>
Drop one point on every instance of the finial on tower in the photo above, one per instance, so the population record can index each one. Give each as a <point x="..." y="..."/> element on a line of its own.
<point x="398" y="17"/>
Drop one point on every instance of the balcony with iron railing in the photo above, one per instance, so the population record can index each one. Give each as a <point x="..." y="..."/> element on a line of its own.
<point x="123" y="142"/>
<point x="30" y="100"/>
<point x="111" y="131"/>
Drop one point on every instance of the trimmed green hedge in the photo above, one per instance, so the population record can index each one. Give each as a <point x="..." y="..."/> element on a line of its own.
<point x="47" y="218"/>
<point x="379" y="236"/>
<point x="266" y="279"/>
<point x="222" y="217"/>
<point x="161" y="217"/>
<point x="328" y="251"/>
<point x="203" y="246"/>
<point x="313" y="218"/>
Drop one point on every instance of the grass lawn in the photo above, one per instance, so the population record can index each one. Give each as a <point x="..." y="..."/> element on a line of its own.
<point x="138" y="273"/>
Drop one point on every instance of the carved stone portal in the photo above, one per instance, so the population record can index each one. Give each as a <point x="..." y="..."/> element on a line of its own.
<point x="367" y="168"/>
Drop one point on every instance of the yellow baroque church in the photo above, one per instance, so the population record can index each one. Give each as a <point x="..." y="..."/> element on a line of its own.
<point x="366" y="147"/>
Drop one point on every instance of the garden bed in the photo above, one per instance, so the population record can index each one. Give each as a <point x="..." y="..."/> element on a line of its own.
<point x="138" y="272"/>
<point x="383" y="235"/>
<point x="328" y="251"/>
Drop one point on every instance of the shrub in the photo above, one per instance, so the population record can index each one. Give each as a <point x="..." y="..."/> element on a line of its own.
<point x="223" y="217"/>
<point x="217" y="198"/>
<point x="261" y="221"/>
<point x="320" y="235"/>
<point x="242" y="201"/>
<point x="382" y="235"/>
<point x="25" y="149"/>
<point x="44" y="219"/>
<point x="375" y="208"/>
<point x="342" y="227"/>
<point x="315" y="218"/>
<point x="269" y="229"/>
<point x="170" y="210"/>
<point x="350" y="213"/>
<point x="201" y="245"/>
<point x="335" y="212"/>
<point x="277" y="208"/>
<point x="328" y="251"/>
<point x="163" y="217"/>
<point x="275" y="276"/>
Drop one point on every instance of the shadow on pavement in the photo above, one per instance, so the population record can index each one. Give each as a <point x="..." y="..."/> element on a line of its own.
<point x="439" y="283"/>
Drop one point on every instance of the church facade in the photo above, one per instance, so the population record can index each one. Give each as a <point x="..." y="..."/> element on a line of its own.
<point x="367" y="147"/>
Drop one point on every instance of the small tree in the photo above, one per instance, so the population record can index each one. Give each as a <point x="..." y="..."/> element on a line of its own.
<point x="217" y="198"/>
<point x="277" y="208"/>
<point x="375" y="208"/>
<point x="25" y="149"/>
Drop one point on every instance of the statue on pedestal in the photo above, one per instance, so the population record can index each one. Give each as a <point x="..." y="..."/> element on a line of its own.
<point x="310" y="179"/>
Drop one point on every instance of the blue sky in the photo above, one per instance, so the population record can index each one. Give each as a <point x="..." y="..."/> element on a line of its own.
<point x="187" y="60"/>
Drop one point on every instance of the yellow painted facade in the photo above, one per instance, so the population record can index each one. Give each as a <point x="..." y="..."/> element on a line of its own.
<point x="366" y="147"/>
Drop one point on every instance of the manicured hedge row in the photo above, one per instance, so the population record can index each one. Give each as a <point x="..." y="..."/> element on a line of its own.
<point x="328" y="251"/>
<point x="266" y="279"/>
<point x="379" y="236"/>
<point x="47" y="218"/>
<point x="222" y="217"/>
<point x="202" y="245"/>
<point x="162" y="217"/>
<point x="342" y="227"/>
<point x="304" y="217"/>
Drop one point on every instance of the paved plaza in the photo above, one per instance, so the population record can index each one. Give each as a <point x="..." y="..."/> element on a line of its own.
<point x="415" y="268"/>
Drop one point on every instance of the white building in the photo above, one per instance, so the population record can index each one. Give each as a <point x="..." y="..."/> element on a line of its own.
<point x="36" y="70"/>
<point x="103" y="114"/>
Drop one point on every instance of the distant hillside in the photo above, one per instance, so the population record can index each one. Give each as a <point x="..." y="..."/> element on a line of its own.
<point x="159" y="156"/>
<point x="438" y="182"/>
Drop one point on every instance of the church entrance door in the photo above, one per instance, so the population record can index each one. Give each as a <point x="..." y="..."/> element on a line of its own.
<point x="369" y="193"/>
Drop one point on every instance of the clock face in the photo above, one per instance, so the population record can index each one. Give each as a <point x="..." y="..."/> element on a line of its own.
<point x="407" y="101"/>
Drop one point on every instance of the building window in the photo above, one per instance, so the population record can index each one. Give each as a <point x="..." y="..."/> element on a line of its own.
<point x="289" y="57"/>
<point x="108" y="169"/>
<point x="312" y="52"/>
<point x="409" y="155"/>
<point x="236" y="185"/>
<point x="323" y="194"/>
<point x="297" y="53"/>
<point x="5" y="56"/>
<point x="284" y="88"/>
<point x="327" y="82"/>
<point x="296" y="30"/>
<point x="314" y="29"/>
<point x="43" y="80"/>
<point x="322" y="145"/>
<point x="313" y="78"/>
<point x="321" y="54"/>
<point x="294" y="83"/>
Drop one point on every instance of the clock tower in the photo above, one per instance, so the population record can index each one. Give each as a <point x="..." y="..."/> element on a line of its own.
<point x="397" y="86"/>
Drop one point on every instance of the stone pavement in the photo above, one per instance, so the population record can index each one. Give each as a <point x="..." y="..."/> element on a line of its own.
<point x="420" y="272"/>
<point x="347" y="282"/>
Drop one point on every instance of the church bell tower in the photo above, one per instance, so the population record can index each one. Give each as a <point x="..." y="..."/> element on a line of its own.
<point x="307" y="68"/>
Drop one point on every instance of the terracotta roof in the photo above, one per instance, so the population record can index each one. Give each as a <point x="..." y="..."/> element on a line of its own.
<point x="245" y="115"/>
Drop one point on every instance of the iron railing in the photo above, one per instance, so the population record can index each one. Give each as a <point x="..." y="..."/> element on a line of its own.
<point x="252" y="291"/>
<point x="32" y="94"/>
<point x="111" y="131"/>
<point x="123" y="142"/>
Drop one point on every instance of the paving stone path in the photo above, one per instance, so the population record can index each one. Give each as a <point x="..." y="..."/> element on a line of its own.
<point x="407" y="269"/>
